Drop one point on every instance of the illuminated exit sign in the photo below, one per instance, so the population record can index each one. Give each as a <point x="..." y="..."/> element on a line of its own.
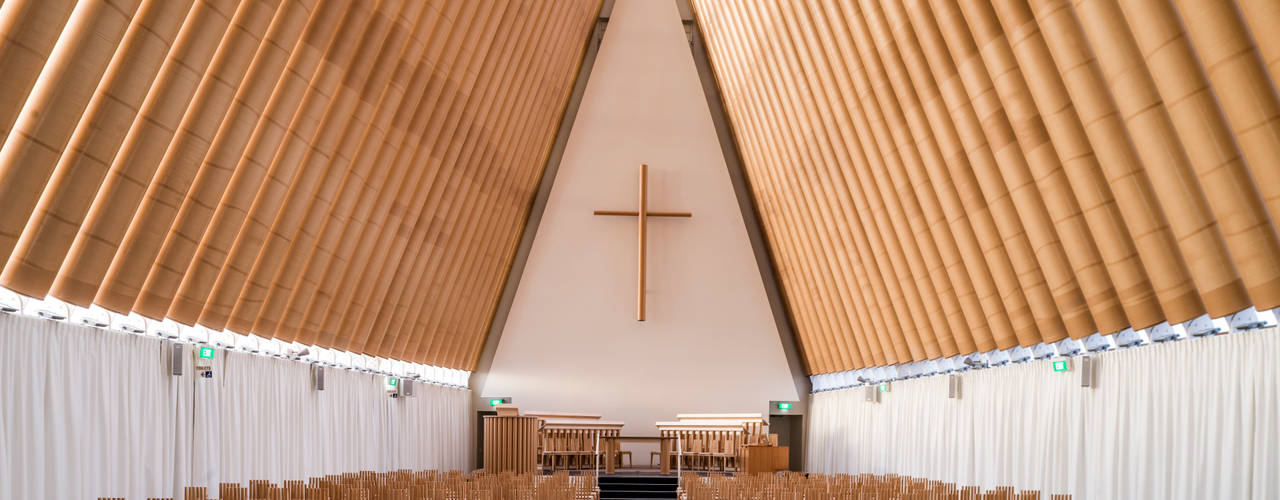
<point x="784" y="406"/>
<point x="1061" y="365"/>
<point x="206" y="353"/>
<point x="495" y="402"/>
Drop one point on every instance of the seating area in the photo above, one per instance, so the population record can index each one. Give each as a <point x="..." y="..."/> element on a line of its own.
<point x="408" y="485"/>
<point x="796" y="486"/>
<point x="571" y="441"/>
<point x="714" y="441"/>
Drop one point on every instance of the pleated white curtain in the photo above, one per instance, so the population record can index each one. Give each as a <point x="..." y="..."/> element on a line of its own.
<point x="86" y="413"/>
<point x="1193" y="419"/>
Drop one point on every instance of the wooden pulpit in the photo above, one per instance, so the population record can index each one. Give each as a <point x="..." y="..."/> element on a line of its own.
<point x="510" y="444"/>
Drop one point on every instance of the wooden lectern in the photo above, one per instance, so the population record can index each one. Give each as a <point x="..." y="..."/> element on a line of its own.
<point x="510" y="444"/>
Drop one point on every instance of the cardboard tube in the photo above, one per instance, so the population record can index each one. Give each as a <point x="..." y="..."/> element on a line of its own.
<point x="1232" y="195"/>
<point x="174" y="176"/>
<point x="1252" y="107"/>
<point x="992" y="321"/>
<point x="28" y="30"/>
<point x="356" y="242"/>
<point x="808" y="183"/>
<point x="778" y="211"/>
<point x="197" y="147"/>
<point x="1127" y="282"/>
<point x="880" y="317"/>
<point x="317" y="141"/>
<point x="48" y="235"/>
<point x="1263" y="16"/>
<point x="1038" y="183"/>
<point x="133" y="166"/>
<point x="1143" y="217"/>
<point x="924" y="177"/>
<point x="1004" y="158"/>
<point x="471" y="304"/>
<point x="377" y="236"/>
<point x="369" y="110"/>
<point x="250" y="161"/>
<point x="49" y="116"/>
<point x="913" y="193"/>
<point x="508" y="65"/>
<point x="920" y="302"/>
<point x="217" y="279"/>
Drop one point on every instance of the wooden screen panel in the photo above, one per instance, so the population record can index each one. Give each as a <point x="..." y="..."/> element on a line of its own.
<point x="351" y="174"/>
<point x="510" y="444"/>
<point x="944" y="176"/>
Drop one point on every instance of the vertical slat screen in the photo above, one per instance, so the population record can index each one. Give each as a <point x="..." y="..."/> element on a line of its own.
<point x="942" y="177"/>
<point x="350" y="174"/>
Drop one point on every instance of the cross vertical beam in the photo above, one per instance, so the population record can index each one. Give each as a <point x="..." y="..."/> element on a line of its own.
<point x="643" y="215"/>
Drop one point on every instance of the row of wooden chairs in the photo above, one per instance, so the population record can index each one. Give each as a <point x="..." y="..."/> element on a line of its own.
<point x="706" y="450"/>
<point x="799" y="486"/>
<point x="409" y="485"/>
<point x="575" y="449"/>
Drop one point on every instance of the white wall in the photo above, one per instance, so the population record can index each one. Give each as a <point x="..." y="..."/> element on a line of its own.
<point x="571" y="341"/>
<point x="87" y="413"/>
<point x="1194" y="419"/>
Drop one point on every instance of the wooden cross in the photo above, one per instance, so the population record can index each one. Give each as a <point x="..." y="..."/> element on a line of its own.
<point x="643" y="213"/>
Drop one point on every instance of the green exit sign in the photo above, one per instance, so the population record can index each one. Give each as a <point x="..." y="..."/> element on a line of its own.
<point x="392" y="381"/>
<point x="1061" y="365"/>
<point x="206" y="353"/>
<point x="495" y="402"/>
<point x="884" y="387"/>
<point x="784" y="406"/>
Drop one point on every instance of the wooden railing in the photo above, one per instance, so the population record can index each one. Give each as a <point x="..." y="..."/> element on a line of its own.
<point x="797" y="486"/>
<point x="409" y="485"/>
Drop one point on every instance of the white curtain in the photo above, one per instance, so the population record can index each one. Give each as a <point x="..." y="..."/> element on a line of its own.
<point x="1193" y="419"/>
<point x="86" y="413"/>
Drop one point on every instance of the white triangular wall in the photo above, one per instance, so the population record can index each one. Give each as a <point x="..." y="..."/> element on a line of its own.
<point x="571" y="341"/>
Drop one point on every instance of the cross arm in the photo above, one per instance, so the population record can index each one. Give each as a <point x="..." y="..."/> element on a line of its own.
<point x="633" y="213"/>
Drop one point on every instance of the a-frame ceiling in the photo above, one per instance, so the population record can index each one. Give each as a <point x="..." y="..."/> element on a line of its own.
<point x="934" y="177"/>
<point x="352" y="174"/>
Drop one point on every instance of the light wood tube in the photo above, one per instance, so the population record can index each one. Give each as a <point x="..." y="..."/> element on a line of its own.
<point x="178" y="167"/>
<point x="1166" y="161"/>
<point x="28" y="30"/>
<point x="970" y="222"/>
<point x="38" y="257"/>
<point x="1263" y="16"/>
<point x="133" y="166"/>
<point x="402" y="38"/>
<point x="867" y="294"/>
<point x="249" y="164"/>
<point x="810" y="320"/>
<point x="1012" y="178"/>
<point x="1018" y="275"/>
<point x="1252" y="107"/>
<point x="1045" y="198"/>
<point x="1135" y="197"/>
<point x="1233" y="196"/>
<point x="923" y="176"/>
<point x="820" y="222"/>
<point x="466" y="314"/>
<point x="1127" y="283"/>
<point x="379" y="235"/>
<point x="47" y="120"/>
<point x="359" y="235"/>
<point x="217" y="280"/>
<point x="914" y="196"/>
<point x="1243" y="86"/>
<point x="204" y="148"/>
